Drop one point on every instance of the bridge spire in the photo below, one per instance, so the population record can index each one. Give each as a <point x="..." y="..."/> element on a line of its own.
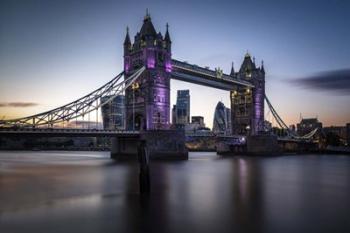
<point x="147" y="16"/>
<point x="232" y="73"/>
<point x="262" y="66"/>
<point x="127" y="37"/>
<point x="167" y="36"/>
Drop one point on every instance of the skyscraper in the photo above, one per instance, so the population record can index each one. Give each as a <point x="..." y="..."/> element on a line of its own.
<point x="183" y="107"/>
<point x="173" y="115"/>
<point x="113" y="113"/>
<point x="198" y="120"/>
<point x="222" y="119"/>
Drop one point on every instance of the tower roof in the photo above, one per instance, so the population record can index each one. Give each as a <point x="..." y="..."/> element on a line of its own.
<point x="147" y="28"/>
<point x="247" y="64"/>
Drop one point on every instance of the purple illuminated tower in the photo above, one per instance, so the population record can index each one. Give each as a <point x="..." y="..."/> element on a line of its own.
<point x="247" y="104"/>
<point x="148" y="100"/>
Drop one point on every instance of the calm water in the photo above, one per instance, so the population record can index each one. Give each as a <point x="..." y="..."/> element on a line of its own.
<point x="87" y="192"/>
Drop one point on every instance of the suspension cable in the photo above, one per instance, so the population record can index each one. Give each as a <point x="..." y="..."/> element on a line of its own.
<point x="78" y="107"/>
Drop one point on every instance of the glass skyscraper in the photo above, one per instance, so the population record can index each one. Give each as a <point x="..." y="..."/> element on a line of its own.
<point x="182" y="107"/>
<point x="113" y="113"/>
<point x="222" y="119"/>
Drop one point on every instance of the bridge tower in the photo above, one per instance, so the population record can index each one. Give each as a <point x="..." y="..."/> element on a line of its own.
<point x="247" y="104"/>
<point x="148" y="99"/>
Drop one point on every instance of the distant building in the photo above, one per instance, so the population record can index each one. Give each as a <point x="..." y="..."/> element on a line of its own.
<point x="292" y="128"/>
<point x="199" y="120"/>
<point x="267" y="126"/>
<point x="348" y="133"/>
<point x="340" y="131"/>
<point x="222" y="122"/>
<point x="196" y="124"/>
<point x="306" y="125"/>
<point x="228" y="122"/>
<point x="173" y="115"/>
<point x="113" y="113"/>
<point x="183" y="107"/>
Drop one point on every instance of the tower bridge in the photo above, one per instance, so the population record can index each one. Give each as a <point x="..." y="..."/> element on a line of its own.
<point x="145" y="81"/>
<point x="148" y="101"/>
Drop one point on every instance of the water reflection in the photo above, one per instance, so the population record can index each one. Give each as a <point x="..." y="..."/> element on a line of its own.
<point x="238" y="194"/>
<point x="248" y="190"/>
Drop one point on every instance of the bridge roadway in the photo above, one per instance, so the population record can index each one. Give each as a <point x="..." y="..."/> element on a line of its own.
<point x="63" y="132"/>
<point x="204" y="76"/>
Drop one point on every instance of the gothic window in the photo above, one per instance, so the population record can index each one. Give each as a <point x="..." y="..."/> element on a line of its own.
<point x="160" y="57"/>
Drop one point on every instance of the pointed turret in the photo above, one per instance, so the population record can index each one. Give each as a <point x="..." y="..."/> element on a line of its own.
<point x="159" y="35"/>
<point x="167" y="36"/>
<point x="232" y="73"/>
<point x="127" y="37"/>
<point x="262" y="69"/>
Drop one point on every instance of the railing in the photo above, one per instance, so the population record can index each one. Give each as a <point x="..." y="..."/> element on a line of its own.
<point x="64" y="130"/>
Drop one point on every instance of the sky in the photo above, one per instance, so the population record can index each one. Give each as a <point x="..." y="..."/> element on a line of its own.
<point x="53" y="52"/>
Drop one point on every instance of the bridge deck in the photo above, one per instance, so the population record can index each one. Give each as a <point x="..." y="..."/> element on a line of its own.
<point x="195" y="74"/>
<point x="48" y="132"/>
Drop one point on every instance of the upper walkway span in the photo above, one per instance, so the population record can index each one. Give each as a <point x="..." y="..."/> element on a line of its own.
<point x="204" y="76"/>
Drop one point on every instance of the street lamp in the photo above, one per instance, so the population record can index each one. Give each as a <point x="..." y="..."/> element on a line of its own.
<point x="248" y="129"/>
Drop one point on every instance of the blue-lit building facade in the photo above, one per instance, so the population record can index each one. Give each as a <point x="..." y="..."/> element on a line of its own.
<point x="113" y="113"/>
<point x="182" y="108"/>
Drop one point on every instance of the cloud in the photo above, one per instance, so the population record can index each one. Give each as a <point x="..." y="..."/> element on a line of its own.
<point x="18" y="104"/>
<point x="336" y="81"/>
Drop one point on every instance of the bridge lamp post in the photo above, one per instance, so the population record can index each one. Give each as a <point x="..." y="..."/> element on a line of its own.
<point x="248" y="129"/>
<point x="134" y="87"/>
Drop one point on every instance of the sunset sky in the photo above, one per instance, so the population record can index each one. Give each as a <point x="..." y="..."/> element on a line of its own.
<point x="53" y="52"/>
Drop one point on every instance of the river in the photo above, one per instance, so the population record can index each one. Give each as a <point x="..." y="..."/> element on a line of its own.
<point x="87" y="192"/>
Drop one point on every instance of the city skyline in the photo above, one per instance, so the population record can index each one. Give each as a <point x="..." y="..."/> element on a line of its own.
<point x="78" y="54"/>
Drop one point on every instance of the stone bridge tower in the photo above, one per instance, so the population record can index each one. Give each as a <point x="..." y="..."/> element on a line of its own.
<point x="148" y="99"/>
<point x="247" y="104"/>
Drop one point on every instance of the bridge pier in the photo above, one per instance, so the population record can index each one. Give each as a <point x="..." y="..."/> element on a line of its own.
<point x="262" y="145"/>
<point x="124" y="147"/>
<point x="161" y="144"/>
<point x="251" y="145"/>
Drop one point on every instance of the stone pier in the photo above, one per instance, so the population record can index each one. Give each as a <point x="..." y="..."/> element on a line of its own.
<point x="262" y="145"/>
<point x="161" y="144"/>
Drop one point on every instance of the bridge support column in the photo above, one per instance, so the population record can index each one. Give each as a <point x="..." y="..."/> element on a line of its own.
<point x="166" y="144"/>
<point x="161" y="144"/>
<point x="124" y="147"/>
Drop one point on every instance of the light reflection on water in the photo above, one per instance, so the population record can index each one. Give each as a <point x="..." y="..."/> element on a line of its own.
<point x="87" y="192"/>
